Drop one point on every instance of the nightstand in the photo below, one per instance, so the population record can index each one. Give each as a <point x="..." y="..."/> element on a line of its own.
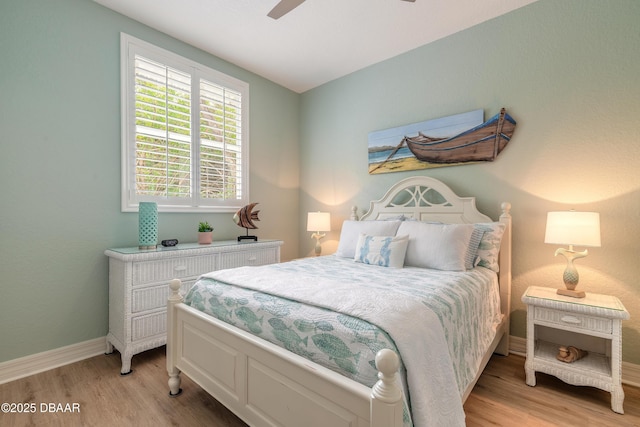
<point x="593" y="323"/>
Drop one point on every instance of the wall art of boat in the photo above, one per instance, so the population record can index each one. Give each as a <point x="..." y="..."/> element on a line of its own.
<point x="459" y="139"/>
<point x="482" y="143"/>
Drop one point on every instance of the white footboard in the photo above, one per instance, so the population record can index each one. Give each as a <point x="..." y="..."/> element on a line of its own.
<point x="266" y="385"/>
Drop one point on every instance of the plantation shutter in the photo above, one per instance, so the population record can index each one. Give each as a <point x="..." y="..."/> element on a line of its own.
<point x="220" y="142"/>
<point x="163" y="130"/>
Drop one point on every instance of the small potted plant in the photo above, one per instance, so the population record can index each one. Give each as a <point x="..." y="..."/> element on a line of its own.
<point x="205" y="233"/>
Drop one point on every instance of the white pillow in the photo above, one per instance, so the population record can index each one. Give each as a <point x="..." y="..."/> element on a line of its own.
<point x="385" y="251"/>
<point x="489" y="248"/>
<point x="437" y="246"/>
<point x="351" y="232"/>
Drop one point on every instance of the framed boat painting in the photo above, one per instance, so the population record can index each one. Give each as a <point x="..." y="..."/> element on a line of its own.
<point x="454" y="140"/>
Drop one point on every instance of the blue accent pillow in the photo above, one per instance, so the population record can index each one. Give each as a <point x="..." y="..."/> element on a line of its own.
<point x="384" y="251"/>
<point x="489" y="248"/>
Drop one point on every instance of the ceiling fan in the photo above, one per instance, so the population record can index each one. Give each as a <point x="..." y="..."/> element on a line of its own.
<point x="286" y="6"/>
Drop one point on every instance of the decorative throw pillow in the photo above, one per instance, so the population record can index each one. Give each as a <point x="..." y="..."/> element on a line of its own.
<point x="438" y="246"/>
<point x="351" y="231"/>
<point x="489" y="247"/>
<point x="471" y="257"/>
<point x="385" y="251"/>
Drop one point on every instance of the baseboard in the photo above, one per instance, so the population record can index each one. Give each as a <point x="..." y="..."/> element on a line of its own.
<point x="631" y="374"/>
<point x="23" y="367"/>
<point x="518" y="346"/>
<point x="630" y="371"/>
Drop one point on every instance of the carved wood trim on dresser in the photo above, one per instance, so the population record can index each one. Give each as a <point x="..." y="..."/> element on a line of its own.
<point x="138" y="288"/>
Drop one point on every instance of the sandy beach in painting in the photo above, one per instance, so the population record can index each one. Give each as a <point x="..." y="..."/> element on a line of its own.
<point x="406" y="164"/>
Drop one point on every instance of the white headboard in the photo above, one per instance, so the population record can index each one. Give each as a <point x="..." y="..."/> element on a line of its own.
<point x="425" y="199"/>
<point x="428" y="199"/>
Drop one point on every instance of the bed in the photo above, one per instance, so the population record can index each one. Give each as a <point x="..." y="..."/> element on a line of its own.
<point x="269" y="381"/>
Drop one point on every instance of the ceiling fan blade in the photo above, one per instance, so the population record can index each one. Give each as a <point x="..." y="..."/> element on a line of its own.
<point x="412" y="1"/>
<point x="284" y="7"/>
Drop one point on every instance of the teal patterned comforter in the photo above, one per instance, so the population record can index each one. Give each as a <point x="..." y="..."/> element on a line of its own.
<point x="324" y="309"/>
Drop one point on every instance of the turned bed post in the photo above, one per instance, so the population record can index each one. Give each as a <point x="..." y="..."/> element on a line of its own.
<point x="505" y="277"/>
<point x="386" y="395"/>
<point x="172" y="336"/>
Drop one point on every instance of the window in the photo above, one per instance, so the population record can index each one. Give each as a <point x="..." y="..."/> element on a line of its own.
<point x="185" y="133"/>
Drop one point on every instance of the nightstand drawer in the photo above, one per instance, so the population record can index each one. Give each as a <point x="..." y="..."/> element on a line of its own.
<point x="575" y="320"/>
<point x="172" y="268"/>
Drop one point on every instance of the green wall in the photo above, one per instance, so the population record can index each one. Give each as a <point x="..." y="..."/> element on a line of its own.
<point x="567" y="71"/>
<point x="60" y="168"/>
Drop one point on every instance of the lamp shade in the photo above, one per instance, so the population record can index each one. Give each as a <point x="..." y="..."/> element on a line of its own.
<point x="318" y="221"/>
<point x="573" y="228"/>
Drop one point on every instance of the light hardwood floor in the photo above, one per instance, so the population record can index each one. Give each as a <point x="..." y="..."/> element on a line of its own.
<point x="105" y="398"/>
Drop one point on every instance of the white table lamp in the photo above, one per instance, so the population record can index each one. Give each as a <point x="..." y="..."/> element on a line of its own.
<point x="572" y="228"/>
<point x="318" y="222"/>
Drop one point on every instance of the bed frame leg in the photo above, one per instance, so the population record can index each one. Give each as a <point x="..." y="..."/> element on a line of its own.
<point x="172" y="336"/>
<point x="386" y="395"/>
<point x="174" y="383"/>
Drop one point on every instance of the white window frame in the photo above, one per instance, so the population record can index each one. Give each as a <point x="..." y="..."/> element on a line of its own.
<point x="129" y="48"/>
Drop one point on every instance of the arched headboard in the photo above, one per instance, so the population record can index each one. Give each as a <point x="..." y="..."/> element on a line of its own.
<point x="425" y="199"/>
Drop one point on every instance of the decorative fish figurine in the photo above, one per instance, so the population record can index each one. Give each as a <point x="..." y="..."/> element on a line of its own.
<point x="245" y="216"/>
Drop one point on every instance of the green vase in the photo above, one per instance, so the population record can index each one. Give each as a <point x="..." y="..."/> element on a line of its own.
<point x="148" y="225"/>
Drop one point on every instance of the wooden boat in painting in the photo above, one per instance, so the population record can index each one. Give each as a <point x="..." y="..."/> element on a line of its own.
<point x="482" y="143"/>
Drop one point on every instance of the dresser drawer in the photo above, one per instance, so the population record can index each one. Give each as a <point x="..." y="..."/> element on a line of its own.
<point x="151" y="297"/>
<point x="148" y="325"/>
<point x="244" y="258"/>
<point x="580" y="321"/>
<point x="174" y="268"/>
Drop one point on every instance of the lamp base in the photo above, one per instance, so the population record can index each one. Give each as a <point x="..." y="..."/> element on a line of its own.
<point x="570" y="293"/>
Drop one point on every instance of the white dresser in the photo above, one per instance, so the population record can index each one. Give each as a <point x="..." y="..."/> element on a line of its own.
<point x="139" y="286"/>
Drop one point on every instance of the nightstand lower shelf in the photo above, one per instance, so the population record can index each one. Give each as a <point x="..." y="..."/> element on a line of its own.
<point x="593" y="370"/>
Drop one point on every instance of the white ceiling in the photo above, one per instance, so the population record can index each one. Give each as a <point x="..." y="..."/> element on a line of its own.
<point x="317" y="42"/>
